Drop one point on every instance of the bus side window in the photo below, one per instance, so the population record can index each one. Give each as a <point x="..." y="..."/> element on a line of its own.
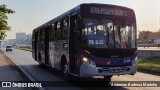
<point x="52" y="33"/>
<point x="43" y="35"/>
<point x="58" y="31"/>
<point x="33" y="39"/>
<point x="65" y="23"/>
<point x="64" y="29"/>
<point x="38" y="36"/>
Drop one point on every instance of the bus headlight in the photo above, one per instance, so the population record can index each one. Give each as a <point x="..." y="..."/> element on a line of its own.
<point x="85" y="59"/>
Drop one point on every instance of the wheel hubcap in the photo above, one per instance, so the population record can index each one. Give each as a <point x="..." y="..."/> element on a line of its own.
<point x="65" y="70"/>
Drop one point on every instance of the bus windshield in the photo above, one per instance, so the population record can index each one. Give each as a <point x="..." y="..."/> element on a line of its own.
<point x="103" y="33"/>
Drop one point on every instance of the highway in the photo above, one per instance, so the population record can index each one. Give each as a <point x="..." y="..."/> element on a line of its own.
<point x="149" y="48"/>
<point x="24" y="60"/>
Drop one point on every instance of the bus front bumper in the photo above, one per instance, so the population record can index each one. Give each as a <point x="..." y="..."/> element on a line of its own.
<point x="87" y="70"/>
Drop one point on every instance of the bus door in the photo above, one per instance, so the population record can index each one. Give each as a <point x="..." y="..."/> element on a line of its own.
<point x="47" y="46"/>
<point x="74" y="46"/>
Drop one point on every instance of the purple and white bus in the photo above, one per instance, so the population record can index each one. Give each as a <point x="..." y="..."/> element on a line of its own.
<point x="89" y="40"/>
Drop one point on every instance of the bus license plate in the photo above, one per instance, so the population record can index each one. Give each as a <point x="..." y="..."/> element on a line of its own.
<point x="114" y="70"/>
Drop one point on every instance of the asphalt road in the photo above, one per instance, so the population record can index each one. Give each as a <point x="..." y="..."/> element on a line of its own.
<point x="24" y="60"/>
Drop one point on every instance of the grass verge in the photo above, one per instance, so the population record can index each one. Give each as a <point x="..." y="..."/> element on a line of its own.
<point x="26" y="49"/>
<point x="149" y="65"/>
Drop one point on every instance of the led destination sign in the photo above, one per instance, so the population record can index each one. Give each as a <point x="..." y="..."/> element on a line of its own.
<point x="108" y="11"/>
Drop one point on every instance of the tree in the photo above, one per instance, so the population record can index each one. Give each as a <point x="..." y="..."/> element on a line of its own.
<point x="3" y="20"/>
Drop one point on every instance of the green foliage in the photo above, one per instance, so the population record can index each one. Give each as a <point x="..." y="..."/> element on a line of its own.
<point x="26" y="49"/>
<point x="147" y="67"/>
<point x="3" y="20"/>
<point x="149" y="64"/>
<point x="153" y="60"/>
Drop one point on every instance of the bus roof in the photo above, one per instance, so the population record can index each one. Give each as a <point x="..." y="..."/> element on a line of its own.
<point x="79" y="10"/>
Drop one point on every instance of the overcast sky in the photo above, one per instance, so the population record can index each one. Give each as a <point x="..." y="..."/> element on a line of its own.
<point x="33" y="13"/>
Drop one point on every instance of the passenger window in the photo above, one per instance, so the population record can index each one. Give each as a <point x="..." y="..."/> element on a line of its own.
<point x="58" y="31"/>
<point x="65" y="30"/>
<point x="52" y="33"/>
<point x="58" y="25"/>
<point x="65" y="23"/>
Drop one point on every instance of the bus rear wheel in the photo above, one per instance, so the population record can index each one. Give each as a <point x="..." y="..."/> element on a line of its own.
<point x="40" y="64"/>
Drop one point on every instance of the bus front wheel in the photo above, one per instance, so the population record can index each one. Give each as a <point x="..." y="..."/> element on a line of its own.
<point x="107" y="79"/>
<point x="65" y="72"/>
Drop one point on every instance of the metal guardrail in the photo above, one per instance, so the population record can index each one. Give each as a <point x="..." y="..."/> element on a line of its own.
<point x="148" y="45"/>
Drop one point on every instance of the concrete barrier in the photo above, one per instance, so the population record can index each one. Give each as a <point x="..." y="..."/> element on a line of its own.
<point x="148" y="53"/>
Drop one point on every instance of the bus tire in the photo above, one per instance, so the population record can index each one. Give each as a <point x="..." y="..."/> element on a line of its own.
<point x="64" y="69"/>
<point x="39" y="61"/>
<point x="107" y="79"/>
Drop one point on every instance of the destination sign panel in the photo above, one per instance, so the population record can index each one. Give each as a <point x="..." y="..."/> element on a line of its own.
<point x="108" y="11"/>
